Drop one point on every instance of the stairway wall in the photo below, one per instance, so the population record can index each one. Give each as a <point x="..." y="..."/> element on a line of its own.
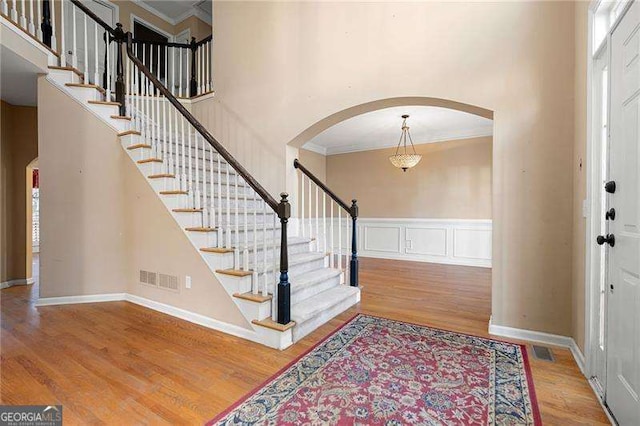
<point x="101" y="222"/>
<point x="283" y="67"/>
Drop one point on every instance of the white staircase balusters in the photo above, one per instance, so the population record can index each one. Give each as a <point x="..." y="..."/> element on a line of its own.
<point x="228" y="211"/>
<point x="183" y="165"/>
<point x="245" y="254"/>
<point x="212" y="195"/>
<point x="196" y="189"/>
<point x="96" y="61"/>
<point x="85" y="45"/>
<point x="220" y="233"/>
<point x="309" y="221"/>
<point x="32" y="27"/>
<point x="38" y="21"/>
<point x="324" y="222"/>
<point x="190" y="186"/>
<point x="23" y="18"/>
<point x="209" y="67"/>
<point x="107" y="64"/>
<point x="265" y="284"/>
<point x="254" y="276"/>
<point x="179" y="72"/>
<point x="275" y="279"/>
<point x="4" y="7"/>
<point x="54" y="43"/>
<point x="63" y="51"/>
<point x="236" y="246"/>
<point x="166" y="66"/>
<point x="317" y="236"/>
<point x="339" y="239"/>
<point x="331" y="246"/>
<point x="74" y="43"/>
<point x="301" y="226"/>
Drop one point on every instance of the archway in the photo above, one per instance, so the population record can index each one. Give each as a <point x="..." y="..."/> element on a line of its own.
<point x="455" y="174"/>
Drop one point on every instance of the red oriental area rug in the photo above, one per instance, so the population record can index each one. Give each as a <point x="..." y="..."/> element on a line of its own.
<point x="376" y="371"/>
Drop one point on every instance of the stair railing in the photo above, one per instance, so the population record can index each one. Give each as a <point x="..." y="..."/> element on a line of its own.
<point x="185" y="68"/>
<point x="35" y="17"/>
<point x="171" y="131"/>
<point x="317" y="229"/>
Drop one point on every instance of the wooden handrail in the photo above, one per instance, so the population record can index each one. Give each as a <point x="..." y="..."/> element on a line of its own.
<point x="352" y="212"/>
<point x="273" y="204"/>
<point x="93" y="16"/>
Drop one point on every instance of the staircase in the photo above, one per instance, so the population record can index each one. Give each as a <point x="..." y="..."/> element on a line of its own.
<point x="285" y="286"/>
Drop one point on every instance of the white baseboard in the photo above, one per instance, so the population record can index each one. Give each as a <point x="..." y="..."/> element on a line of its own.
<point x="89" y="298"/>
<point x="193" y="317"/>
<point x="540" y="337"/>
<point x="21" y="281"/>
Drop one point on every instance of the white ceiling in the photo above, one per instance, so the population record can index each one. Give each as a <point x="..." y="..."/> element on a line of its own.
<point x="381" y="129"/>
<point x="174" y="11"/>
<point x="18" y="79"/>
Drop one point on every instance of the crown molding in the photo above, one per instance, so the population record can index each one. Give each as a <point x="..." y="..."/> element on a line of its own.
<point x="194" y="11"/>
<point x="310" y="146"/>
<point x="436" y="137"/>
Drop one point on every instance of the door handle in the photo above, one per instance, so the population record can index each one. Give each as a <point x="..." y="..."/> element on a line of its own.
<point x="609" y="239"/>
<point x="611" y="214"/>
<point x="610" y="186"/>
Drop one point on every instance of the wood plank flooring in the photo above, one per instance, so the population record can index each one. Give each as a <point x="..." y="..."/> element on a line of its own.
<point x="119" y="363"/>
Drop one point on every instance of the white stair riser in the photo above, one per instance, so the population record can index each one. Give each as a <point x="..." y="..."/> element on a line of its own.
<point x="84" y="94"/>
<point x="255" y="310"/>
<point x="106" y="111"/>
<point x="234" y="285"/>
<point x="63" y="76"/>
<point x="226" y="260"/>
<point x="312" y="290"/>
<point x="210" y="239"/>
<point x="293" y="269"/>
<point x="301" y="330"/>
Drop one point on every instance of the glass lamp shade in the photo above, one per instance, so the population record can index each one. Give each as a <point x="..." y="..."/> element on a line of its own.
<point x="405" y="161"/>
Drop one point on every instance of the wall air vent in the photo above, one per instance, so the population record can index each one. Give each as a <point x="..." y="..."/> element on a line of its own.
<point x="149" y="278"/>
<point x="168" y="282"/>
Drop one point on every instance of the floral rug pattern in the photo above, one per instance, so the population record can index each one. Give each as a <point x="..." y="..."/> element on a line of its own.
<point x="376" y="371"/>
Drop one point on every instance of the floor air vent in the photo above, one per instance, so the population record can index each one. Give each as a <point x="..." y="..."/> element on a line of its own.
<point x="543" y="353"/>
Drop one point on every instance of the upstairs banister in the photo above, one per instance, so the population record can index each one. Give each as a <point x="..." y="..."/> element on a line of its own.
<point x="93" y="16"/>
<point x="200" y="128"/>
<point x="353" y="266"/>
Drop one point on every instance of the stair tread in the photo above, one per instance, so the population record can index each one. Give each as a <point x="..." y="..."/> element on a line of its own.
<point x="308" y="308"/>
<point x="306" y="279"/>
<point x="290" y="241"/>
<point x="258" y="298"/>
<point x="86" y="86"/>
<point x="269" y="323"/>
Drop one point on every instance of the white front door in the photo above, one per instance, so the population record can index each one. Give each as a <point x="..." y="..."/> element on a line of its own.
<point x="623" y="354"/>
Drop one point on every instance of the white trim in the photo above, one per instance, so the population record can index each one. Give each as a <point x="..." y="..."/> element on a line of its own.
<point x="438" y="137"/>
<point x="20" y="281"/>
<point x="310" y="146"/>
<point x="578" y="356"/>
<point x="193" y="317"/>
<point x="183" y="314"/>
<point x="194" y="11"/>
<point x="153" y="11"/>
<point x="89" y="298"/>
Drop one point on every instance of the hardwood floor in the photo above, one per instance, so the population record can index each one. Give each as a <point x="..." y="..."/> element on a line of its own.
<point x="119" y="363"/>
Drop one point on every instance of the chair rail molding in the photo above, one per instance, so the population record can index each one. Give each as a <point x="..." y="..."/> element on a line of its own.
<point x="448" y="241"/>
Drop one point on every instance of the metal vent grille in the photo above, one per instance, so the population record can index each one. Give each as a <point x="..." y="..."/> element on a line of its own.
<point x="147" y="277"/>
<point x="168" y="282"/>
<point x="543" y="353"/>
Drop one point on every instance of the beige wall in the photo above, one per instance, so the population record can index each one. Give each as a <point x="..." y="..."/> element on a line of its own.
<point x="579" y="173"/>
<point x="280" y="67"/>
<point x="19" y="146"/>
<point x="452" y="181"/>
<point x="101" y="222"/>
<point x="314" y="162"/>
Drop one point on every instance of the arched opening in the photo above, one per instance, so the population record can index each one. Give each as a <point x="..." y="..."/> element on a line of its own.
<point x="429" y="228"/>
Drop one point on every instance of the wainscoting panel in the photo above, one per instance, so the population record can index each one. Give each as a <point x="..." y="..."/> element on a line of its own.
<point x="449" y="241"/>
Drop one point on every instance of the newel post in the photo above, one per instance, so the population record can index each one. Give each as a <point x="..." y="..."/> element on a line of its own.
<point x="120" y="37"/>
<point x="284" y="289"/>
<point x="354" y="245"/>
<point x="45" y="25"/>
<point x="193" y="83"/>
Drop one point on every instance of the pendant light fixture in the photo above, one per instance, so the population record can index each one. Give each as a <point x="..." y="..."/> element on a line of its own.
<point x="405" y="160"/>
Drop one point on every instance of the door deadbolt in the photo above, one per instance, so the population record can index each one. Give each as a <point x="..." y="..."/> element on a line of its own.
<point x="609" y="239"/>
<point x="611" y="214"/>
<point x="610" y="186"/>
